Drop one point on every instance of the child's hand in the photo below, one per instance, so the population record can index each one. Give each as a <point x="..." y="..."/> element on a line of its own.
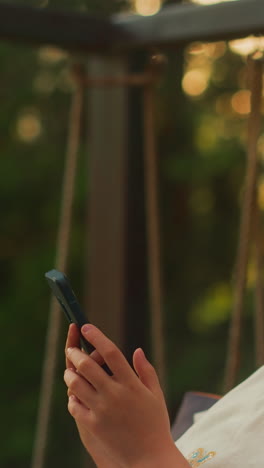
<point x="93" y="446"/>
<point x="123" y="415"/>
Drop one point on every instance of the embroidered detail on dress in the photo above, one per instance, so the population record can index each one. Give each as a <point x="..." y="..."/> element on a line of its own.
<point x="198" y="457"/>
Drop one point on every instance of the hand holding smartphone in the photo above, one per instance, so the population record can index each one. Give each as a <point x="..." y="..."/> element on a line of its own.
<point x="61" y="288"/>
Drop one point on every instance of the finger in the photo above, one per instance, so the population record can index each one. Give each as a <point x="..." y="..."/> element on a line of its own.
<point x="146" y="371"/>
<point x="78" y="411"/>
<point x="79" y="387"/>
<point x="73" y="340"/>
<point x="69" y="393"/>
<point x="88" y="368"/>
<point x="97" y="357"/>
<point x="112" y="356"/>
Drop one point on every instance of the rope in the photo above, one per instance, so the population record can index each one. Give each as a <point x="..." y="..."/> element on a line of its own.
<point x="259" y="254"/>
<point x="137" y="79"/>
<point x="53" y="332"/>
<point x="153" y="234"/>
<point x="259" y="312"/>
<point x="233" y="355"/>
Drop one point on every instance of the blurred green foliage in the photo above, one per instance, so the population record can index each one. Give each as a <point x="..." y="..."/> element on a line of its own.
<point x="202" y="164"/>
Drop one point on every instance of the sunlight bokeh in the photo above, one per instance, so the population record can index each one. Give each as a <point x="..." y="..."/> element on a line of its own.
<point x="147" y="7"/>
<point x="241" y="102"/>
<point x="28" y="126"/>
<point x="195" y="82"/>
<point x="247" y="46"/>
<point x="211" y="2"/>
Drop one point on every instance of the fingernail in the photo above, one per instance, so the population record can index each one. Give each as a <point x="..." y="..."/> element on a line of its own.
<point x="86" y="328"/>
<point x="69" y="350"/>
<point x="73" y="398"/>
<point x="142" y="352"/>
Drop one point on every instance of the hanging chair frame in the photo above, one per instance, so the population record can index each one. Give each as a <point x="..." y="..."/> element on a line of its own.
<point x="173" y="26"/>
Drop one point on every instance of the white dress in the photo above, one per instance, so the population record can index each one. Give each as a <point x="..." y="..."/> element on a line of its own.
<point x="231" y="433"/>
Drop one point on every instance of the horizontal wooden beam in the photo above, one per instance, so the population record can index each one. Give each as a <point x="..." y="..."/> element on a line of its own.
<point x="172" y="26"/>
<point x="66" y="29"/>
<point x="180" y="24"/>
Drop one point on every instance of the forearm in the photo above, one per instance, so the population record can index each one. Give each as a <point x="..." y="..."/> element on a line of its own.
<point x="171" y="458"/>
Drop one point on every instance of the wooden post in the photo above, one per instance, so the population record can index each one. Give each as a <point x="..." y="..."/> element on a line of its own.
<point x="107" y="144"/>
<point x="117" y="291"/>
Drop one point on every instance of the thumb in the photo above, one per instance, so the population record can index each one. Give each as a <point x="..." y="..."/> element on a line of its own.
<point x="146" y="372"/>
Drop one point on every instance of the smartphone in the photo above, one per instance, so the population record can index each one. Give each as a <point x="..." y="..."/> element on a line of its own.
<point x="61" y="288"/>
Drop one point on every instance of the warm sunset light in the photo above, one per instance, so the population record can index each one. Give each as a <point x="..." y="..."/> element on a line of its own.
<point x="28" y="127"/>
<point x="210" y="2"/>
<point x="241" y="102"/>
<point x="247" y="46"/>
<point x="211" y="50"/>
<point x="51" y="55"/>
<point x="147" y="7"/>
<point x="195" y="82"/>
